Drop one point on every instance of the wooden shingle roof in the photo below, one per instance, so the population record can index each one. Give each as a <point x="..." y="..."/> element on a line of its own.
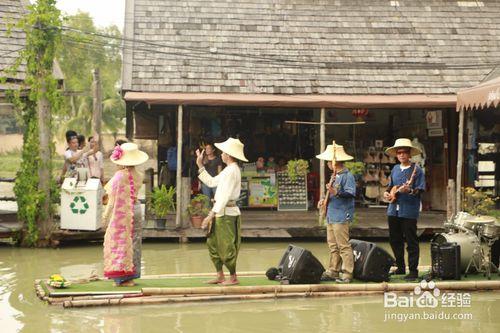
<point x="309" y="46"/>
<point x="10" y="44"/>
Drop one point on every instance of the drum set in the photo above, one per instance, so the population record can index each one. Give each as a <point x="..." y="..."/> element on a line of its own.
<point x="473" y="234"/>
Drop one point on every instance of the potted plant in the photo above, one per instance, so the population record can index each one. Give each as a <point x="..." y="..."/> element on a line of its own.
<point x="162" y="203"/>
<point x="198" y="209"/>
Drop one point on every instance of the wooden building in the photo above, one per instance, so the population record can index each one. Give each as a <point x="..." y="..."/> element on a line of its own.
<point x="11" y="43"/>
<point x="253" y="64"/>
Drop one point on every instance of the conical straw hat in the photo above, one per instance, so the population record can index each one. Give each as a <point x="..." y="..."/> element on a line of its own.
<point x="402" y="143"/>
<point x="232" y="147"/>
<point x="340" y="154"/>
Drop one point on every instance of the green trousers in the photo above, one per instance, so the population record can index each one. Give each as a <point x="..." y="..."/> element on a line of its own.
<point x="224" y="242"/>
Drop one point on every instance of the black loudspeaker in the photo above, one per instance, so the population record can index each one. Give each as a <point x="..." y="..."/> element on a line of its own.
<point x="371" y="263"/>
<point x="445" y="259"/>
<point x="299" y="266"/>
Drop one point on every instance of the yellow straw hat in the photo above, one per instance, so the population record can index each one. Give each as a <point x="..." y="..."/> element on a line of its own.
<point x="340" y="154"/>
<point x="403" y="143"/>
<point x="128" y="154"/>
<point x="232" y="147"/>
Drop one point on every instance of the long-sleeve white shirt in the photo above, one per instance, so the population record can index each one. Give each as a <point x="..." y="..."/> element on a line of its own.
<point x="228" y="184"/>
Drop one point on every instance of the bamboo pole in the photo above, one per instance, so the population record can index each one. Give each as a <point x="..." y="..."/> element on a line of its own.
<point x="178" y="189"/>
<point x="159" y="300"/>
<point x="376" y="290"/>
<point x="321" y="162"/>
<point x="460" y="151"/>
<point x="236" y="290"/>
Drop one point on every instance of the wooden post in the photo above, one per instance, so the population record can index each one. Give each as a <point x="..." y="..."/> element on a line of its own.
<point x="44" y="136"/>
<point x="451" y="200"/>
<point x="460" y="154"/>
<point x="321" y="162"/>
<point x="97" y="104"/>
<point x="185" y="198"/>
<point x="149" y="179"/>
<point x="178" y="187"/>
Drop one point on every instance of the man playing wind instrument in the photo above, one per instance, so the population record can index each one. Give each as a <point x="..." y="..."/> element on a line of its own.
<point x="339" y="213"/>
<point x="224" y="234"/>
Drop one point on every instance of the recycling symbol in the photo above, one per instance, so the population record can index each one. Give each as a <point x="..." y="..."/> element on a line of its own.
<point x="79" y="205"/>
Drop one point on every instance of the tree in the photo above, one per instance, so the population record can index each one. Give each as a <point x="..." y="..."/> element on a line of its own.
<point x="84" y="49"/>
<point x="35" y="187"/>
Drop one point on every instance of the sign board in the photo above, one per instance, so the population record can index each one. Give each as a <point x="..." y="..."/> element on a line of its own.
<point x="292" y="195"/>
<point x="262" y="192"/>
<point x="434" y="119"/>
<point x="436" y="132"/>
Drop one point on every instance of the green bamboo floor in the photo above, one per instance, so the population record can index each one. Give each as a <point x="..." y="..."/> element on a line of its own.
<point x="106" y="286"/>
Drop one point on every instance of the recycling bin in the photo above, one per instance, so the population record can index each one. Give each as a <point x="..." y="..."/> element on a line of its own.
<point x="81" y="204"/>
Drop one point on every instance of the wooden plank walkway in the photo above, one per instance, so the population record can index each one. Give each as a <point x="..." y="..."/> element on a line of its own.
<point x="9" y="225"/>
<point x="261" y="224"/>
<point x="372" y="223"/>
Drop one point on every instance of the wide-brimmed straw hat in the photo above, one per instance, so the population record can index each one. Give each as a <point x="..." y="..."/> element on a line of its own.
<point x="128" y="154"/>
<point x="232" y="147"/>
<point x="403" y="143"/>
<point x="340" y="154"/>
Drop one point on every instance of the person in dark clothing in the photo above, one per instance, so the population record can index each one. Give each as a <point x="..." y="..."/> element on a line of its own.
<point x="213" y="164"/>
<point x="403" y="211"/>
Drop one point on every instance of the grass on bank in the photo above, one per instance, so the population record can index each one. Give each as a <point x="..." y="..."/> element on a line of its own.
<point x="10" y="162"/>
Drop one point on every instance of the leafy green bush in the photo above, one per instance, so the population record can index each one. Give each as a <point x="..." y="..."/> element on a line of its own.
<point x="356" y="168"/>
<point x="163" y="201"/>
<point x="297" y="168"/>
<point x="477" y="202"/>
<point x="199" y="206"/>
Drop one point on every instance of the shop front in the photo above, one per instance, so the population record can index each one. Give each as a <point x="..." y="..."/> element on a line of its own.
<point x="271" y="144"/>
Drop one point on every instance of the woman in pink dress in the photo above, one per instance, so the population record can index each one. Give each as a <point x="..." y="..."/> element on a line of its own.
<point x="123" y="217"/>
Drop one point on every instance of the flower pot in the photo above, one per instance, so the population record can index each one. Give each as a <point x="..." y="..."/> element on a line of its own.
<point x="160" y="223"/>
<point x="196" y="221"/>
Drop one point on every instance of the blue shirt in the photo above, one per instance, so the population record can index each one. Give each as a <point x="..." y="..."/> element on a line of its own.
<point x="341" y="207"/>
<point x="406" y="205"/>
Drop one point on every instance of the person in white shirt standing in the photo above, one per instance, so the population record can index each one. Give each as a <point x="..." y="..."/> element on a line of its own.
<point x="96" y="162"/>
<point x="224" y="237"/>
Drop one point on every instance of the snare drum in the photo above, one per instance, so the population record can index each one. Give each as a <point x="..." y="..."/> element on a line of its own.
<point x="469" y="246"/>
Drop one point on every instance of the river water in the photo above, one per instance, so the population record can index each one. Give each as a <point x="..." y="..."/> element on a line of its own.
<point x="20" y="309"/>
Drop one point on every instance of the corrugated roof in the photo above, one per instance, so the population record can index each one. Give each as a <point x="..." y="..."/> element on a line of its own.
<point x="309" y="47"/>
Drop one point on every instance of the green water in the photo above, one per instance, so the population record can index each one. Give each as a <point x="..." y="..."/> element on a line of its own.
<point x="20" y="309"/>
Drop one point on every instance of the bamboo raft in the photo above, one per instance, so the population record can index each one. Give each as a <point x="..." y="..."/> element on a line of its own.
<point x="182" y="288"/>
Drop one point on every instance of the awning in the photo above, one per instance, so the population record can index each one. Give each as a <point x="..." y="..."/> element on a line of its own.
<point x="482" y="96"/>
<point x="300" y="101"/>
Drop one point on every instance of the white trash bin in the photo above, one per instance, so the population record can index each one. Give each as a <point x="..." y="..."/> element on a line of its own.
<point x="81" y="204"/>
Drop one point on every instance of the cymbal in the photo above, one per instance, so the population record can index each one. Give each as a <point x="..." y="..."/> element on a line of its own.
<point x="481" y="219"/>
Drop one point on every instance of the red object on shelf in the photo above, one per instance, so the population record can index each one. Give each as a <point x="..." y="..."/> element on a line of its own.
<point x="360" y="114"/>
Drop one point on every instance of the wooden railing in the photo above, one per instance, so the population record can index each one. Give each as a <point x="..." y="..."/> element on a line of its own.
<point x="7" y="180"/>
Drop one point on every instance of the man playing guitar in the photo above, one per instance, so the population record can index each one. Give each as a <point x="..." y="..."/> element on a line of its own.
<point x="406" y="183"/>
